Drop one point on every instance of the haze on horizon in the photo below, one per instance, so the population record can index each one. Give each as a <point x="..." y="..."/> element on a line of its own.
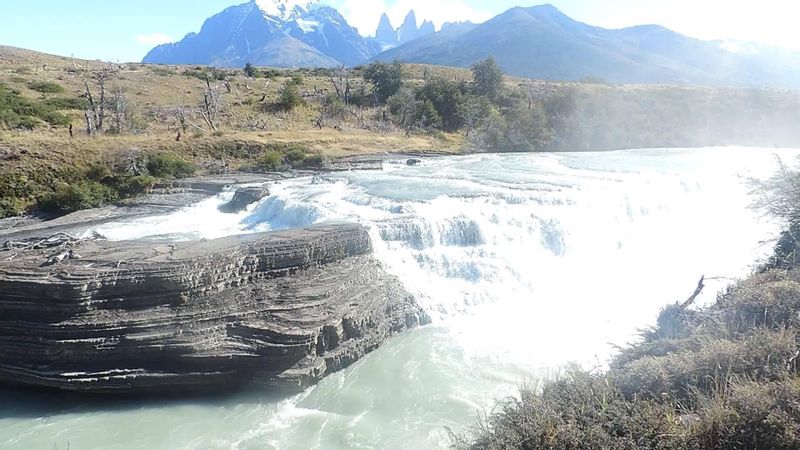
<point x="126" y="31"/>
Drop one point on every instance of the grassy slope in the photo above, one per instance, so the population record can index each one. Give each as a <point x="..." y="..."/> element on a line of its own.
<point x="724" y="377"/>
<point x="583" y="116"/>
<point x="36" y="161"/>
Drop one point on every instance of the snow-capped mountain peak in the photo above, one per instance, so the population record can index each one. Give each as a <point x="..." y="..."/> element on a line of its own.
<point x="285" y="10"/>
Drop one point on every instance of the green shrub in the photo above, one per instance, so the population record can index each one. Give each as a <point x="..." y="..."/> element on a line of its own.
<point x="295" y="155"/>
<point x="66" y="103"/>
<point x="99" y="172"/>
<point x="46" y="87"/>
<point x="270" y="160"/>
<point x="250" y="71"/>
<point x="165" y="165"/>
<point x="133" y="186"/>
<point x="722" y="377"/>
<point x="14" y="184"/>
<point x="386" y="80"/>
<point x="313" y="161"/>
<point x="163" y="71"/>
<point x="19" y="112"/>
<point x="10" y="207"/>
<point x="73" y="197"/>
<point x="290" y="97"/>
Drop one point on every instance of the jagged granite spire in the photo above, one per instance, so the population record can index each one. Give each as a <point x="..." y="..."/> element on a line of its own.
<point x="386" y="33"/>
<point x="408" y="31"/>
<point x="426" y="28"/>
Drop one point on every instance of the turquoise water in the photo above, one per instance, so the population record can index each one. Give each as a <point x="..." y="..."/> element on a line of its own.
<point x="525" y="262"/>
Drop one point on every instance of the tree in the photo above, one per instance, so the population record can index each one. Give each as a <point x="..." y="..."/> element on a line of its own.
<point x="471" y="110"/>
<point x="445" y="96"/>
<point x="250" y="71"/>
<point x="211" y="104"/>
<point x="487" y="78"/>
<point x="527" y="129"/>
<point x="340" y="79"/>
<point x="290" y="97"/>
<point x="331" y="108"/>
<point x="120" y="113"/>
<point x="95" y="113"/>
<point x="426" y="115"/>
<point x="403" y="105"/>
<point x="386" y="80"/>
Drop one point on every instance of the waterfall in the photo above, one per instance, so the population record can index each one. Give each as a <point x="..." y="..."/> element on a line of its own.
<point x="525" y="262"/>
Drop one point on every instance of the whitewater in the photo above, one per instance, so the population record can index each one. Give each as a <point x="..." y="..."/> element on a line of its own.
<point x="526" y="263"/>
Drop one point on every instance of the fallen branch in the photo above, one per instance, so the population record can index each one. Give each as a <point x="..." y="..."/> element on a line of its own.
<point x="697" y="292"/>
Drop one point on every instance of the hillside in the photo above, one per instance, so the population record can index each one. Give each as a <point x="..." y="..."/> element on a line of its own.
<point x="542" y="42"/>
<point x="33" y="161"/>
<point x="275" y="119"/>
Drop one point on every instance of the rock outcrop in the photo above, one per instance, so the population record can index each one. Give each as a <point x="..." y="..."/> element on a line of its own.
<point x="283" y="308"/>
<point x="244" y="197"/>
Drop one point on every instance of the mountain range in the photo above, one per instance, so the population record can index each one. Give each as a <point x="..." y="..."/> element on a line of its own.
<point x="389" y="37"/>
<point x="280" y="33"/>
<point x="538" y="42"/>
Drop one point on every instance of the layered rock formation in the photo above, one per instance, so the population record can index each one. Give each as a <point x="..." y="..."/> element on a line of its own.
<point x="283" y="308"/>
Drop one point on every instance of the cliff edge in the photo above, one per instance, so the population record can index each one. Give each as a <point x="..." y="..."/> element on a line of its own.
<point x="282" y="308"/>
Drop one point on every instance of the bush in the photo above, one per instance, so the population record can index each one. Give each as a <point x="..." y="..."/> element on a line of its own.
<point x="10" y="207"/>
<point x="66" y="103"/>
<point x="19" y="112"/>
<point x="290" y="97"/>
<point x="270" y="160"/>
<point x="487" y="78"/>
<point x="250" y="71"/>
<point x="133" y="186"/>
<point x="386" y="80"/>
<point x="295" y="156"/>
<point x="165" y="165"/>
<point x="73" y="197"/>
<point x="46" y="87"/>
<point x="314" y="161"/>
<point x="723" y="377"/>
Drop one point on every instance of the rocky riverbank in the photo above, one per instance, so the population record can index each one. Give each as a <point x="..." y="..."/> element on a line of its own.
<point x="283" y="308"/>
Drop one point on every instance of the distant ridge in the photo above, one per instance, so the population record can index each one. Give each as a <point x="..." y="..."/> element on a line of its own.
<point x="542" y="42"/>
<point x="535" y="42"/>
<point x="276" y="33"/>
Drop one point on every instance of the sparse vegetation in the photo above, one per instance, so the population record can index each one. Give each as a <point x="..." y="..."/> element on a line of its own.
<point x="46" y="87"/>
<point x="18" y="112"/>
<point x="290" y="97"/>
<point x="222" y="120"/>
<point x="165" y="165"/>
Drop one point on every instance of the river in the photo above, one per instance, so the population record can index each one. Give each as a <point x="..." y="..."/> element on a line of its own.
<point x="526" y="263"/>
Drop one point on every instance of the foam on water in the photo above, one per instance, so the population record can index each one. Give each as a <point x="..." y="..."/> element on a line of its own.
<point x="526" y="262"/>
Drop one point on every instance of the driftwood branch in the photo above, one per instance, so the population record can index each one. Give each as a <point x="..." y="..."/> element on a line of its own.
<point x="697" y="292"/>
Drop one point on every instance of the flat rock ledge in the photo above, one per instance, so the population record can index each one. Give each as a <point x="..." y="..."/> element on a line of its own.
<point x="283" y="308"/>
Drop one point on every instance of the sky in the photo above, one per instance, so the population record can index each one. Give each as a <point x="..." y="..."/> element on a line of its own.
<point x="124" y="30"/>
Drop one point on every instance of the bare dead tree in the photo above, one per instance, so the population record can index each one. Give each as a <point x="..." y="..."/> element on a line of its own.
<point x="101" y="77"/>
<point x="180" y="114"/>
<point x="120" y="111"/>
<point x="95" y="114"/>
<point x="211" y="104"/>
<point x="535" y="93"/>
<point x="340" y="79"/>
<point x="359" y="114"/>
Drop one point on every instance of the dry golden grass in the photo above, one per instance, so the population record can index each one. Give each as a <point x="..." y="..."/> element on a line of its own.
<point x="155" y="91"/>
